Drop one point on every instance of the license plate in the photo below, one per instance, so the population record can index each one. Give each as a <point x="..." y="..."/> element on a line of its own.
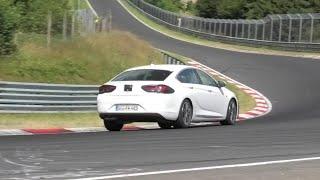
<point x="127" y="108"/>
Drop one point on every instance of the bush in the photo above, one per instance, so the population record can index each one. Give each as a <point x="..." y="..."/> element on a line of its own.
<point x="169" y="5"/>
<point x="253" y="9"/>
<point x="8" y="24"/>
<point x="34" y="15"/>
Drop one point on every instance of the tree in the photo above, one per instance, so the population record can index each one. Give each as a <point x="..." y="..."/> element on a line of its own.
<point x="253" y="9"/>
<point x="169" y="5"/>
<point x="34" y="13"/>
<point x="207" y="8"/>
<point x="231" y="9"/>
<point x="8" y="24"/>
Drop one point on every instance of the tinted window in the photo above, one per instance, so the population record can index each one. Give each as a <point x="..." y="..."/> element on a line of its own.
<point x="143" y="75"/>
<point x="188" y="76"/>
<point x="206" y="79"/>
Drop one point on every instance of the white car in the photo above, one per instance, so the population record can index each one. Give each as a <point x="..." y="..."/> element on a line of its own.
<point x="171" y="95"/>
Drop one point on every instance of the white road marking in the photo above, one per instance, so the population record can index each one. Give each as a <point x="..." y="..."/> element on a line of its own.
<point x="203" y="168"/>
<point x="89" y="129"/>
<point x="246" y="116"/>
<point x="19" y="164"/>
<point x="10" y="132"/>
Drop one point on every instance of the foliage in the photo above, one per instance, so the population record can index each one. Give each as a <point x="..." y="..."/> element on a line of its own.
<point x="34" y="14"/>
<point x="28" y="16"/>
<point x="207" y="8"/>
<point x="8" y="24"/>
<point x="84" y="60"/>
<point x="169" y="5"/>
<point x="253" y="9"/>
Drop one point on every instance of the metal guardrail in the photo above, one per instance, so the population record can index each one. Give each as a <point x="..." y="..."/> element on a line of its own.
<point x="285" y="31"/>
<point x="168" y="59"/>
<point x="17" y="97"/>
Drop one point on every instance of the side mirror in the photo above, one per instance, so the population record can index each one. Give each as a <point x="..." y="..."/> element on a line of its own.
<point x="222" y="84"/>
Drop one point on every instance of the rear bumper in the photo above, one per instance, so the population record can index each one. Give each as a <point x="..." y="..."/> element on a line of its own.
<point x="151" y="107"/>
<point x="133" y="117"/>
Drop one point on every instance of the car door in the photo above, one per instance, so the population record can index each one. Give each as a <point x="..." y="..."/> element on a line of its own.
<point x="190" y="80"/>
<point x="215" y="100"/>
<point x="200" y="93"/>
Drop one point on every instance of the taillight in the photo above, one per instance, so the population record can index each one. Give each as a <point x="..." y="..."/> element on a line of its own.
<point x="106" y="89"/>
<point x="158" y="89"/>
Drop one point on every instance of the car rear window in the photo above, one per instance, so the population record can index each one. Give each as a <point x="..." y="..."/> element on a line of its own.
<point x="143" y="75"/>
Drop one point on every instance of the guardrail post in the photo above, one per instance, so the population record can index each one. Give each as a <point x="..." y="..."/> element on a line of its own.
<point x="220" y="27"/>
<point x="300" y="28"/>
<point x="280" y="27"/>
<point x="263" y="29"/>
<point x="237" y="28"/>
<point x="311" y="28"/>
<point x="249" y="30"/>
<point x="242" y="31"/>
<point x="49" y="26"/>
<point x="290" y="28"/>
<point x="225" y="28"/>
<point x="214" y="27"/>
<point x="271" y="29"/>
<point x="231" y="26"/>
<point x="256" y="30"/>
<point x="64" y="27"/>
<point x="179" y="22"/>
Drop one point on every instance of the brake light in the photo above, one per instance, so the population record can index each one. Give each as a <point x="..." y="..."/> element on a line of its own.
<point x="158" y="89"/>
<point x="106" y="89"/>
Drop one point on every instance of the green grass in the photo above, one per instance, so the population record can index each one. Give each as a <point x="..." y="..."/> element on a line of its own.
<point x="215" y="44"/>
<point x="19" y="121"/>
<point x="85" y="60"/>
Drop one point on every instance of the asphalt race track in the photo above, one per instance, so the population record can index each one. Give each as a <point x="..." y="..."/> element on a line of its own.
<point x="291" y="130"/>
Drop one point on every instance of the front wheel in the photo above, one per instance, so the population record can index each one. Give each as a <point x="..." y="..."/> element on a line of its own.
<point x="112" y="125"/>
<point x="185" y="115"/>
<point x="232" y="113"/>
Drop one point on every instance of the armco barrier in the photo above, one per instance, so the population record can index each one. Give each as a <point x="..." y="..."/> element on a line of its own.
<point x="276" y="31"/>
<point x="17" y="97"/>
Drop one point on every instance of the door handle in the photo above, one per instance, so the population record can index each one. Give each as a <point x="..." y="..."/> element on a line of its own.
<point x="191" y="87"/>
<point x="210" y="91"/>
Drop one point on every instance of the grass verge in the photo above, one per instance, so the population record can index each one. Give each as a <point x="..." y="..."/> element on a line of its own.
<point x="215" y="44"/>
<point x="85" y="60"/>
<point x="38" y="121"/>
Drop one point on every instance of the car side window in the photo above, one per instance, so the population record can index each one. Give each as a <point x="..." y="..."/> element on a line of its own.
<point x="206" y="79"/>
<point x="188" y="76"/>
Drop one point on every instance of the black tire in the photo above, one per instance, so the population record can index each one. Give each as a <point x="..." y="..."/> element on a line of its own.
<point x="185" y="115"/>
<point x="113" y="125"/>
<point x="165" y="125"/>
<point x="232" y="115"/>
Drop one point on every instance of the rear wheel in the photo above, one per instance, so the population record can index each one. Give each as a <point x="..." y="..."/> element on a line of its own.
<point x="231" y="114"/>
<point x="165" y="125"/>
<point x="185" y="115"/>
<point x="113" y="125"/>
